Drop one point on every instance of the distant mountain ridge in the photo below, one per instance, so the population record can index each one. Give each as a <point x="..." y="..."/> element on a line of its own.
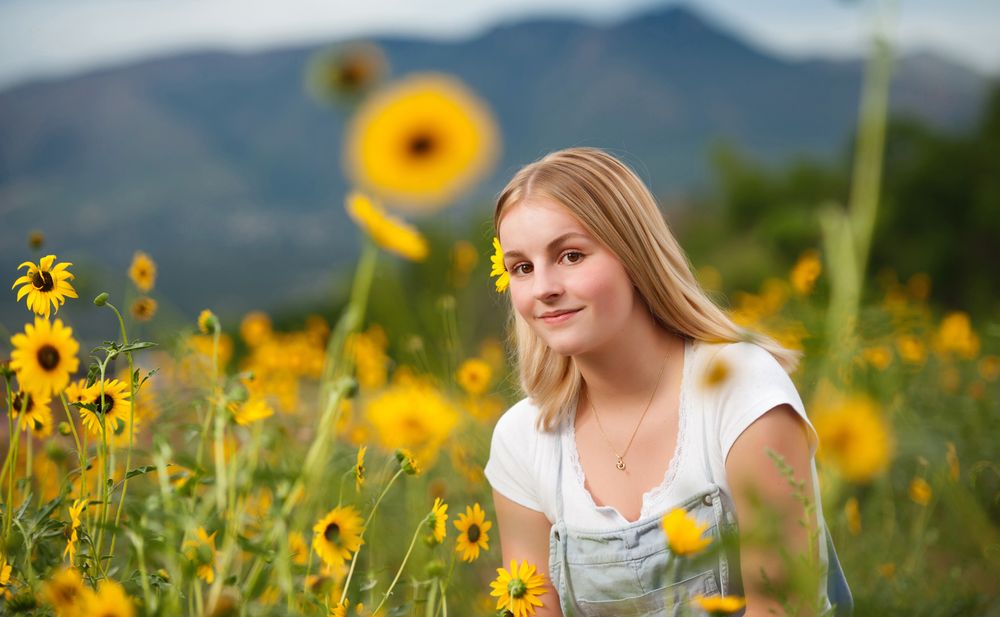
<point x="220" y="167"/>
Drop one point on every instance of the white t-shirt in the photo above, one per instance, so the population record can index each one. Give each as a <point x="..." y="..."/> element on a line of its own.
<point x="523" y="465"/>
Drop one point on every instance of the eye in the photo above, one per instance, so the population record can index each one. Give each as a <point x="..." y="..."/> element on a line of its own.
<point x="573" y="256"/>
<point x="521" y="268"/>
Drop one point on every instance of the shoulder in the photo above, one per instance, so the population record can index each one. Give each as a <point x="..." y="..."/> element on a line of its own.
<point x="518" y="421"/>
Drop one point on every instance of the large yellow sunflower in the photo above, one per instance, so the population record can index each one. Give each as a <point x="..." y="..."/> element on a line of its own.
<point x="472" y="527"/>
<point x="337" y="535"/>
<point x="46" y="286"/>
<point x="388" y="232"/>
<point x="421" y="141"/>
<point x="518" y="589"/>
<point x="44" y="356"/>
<point x="112" y="408"/>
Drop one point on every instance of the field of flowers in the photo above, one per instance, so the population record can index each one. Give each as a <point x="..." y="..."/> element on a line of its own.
<point x="336" y="468"/>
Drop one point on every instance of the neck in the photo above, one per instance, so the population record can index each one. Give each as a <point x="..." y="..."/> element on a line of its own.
<point x="624" y="376"/>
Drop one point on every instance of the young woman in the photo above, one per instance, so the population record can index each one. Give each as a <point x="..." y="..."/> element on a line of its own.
<point x="642" y="396"/>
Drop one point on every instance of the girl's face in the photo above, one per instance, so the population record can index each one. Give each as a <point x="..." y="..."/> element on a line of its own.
<point x="571" y="289"/>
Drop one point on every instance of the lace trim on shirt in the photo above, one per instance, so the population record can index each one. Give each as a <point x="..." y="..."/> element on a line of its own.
<point x="650" y="496"/>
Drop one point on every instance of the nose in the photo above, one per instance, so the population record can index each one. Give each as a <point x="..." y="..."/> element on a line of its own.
<point x="546" y="284"/>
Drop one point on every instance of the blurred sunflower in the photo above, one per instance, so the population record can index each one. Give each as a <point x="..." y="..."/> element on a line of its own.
<point x="250" y="411"/>
<point x="78" y="392"/>
<point x="518" y="589"/>
<point x="805" y="272"/>
<point x="472" y="527"/>
<point x="143" y="308"/>
<point x="142" y="271"/>
<point x="298" y="548"/>
<point x="684" y="532"/>
<point x="421" y="141"/>
<point x="36" y="239"/>
<point x="386" y="231"/>
<point x="111" y="409"/>
<point x="201" y="550"/>
<point x="35" y="408"/>
<point x="412" y="415"/>
<point x="437" y="522"/>
<point x="344" y="73"/>
<point x="207" y="321"/>
<point x="44" y="356"/>
<point x="47" y="287"/>
<point x="5" y="570"/>
<point x="255" y="328"/>
<point x="66" y="593"/>
<point x="853" y="436"/>
<point x="474" y="376"/>
<point x="337" y="535"/>
<point x="110" y="601"/>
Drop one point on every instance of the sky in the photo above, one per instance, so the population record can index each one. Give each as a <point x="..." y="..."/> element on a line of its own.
<point x="51" y="38"/>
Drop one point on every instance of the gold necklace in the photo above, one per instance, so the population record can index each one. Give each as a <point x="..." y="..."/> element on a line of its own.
<point x="620" y="464"/>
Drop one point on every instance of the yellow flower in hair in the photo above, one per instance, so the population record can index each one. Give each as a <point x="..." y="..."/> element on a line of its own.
<point x="420" y="142"/>
<point x="684" y="533"/>
<point x="46" y="286"/>
<point x="386" y="231"/>
<point x="499" y="270"/>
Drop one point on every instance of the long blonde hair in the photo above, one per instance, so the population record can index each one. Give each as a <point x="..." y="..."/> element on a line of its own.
<point x="610" y="200"/>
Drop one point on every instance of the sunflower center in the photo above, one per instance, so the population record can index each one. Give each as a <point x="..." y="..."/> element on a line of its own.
<point x="65" y="594"/>
<point x="21" y="402"/>
<point x="105" y="404"/>
<point x="473" y="533"/>
<point x="42" y="280"/>
<point x="516" y="588"/>
<point x="351" y="74"/>
<point x="421" y="145"/>
<point x="332" y="533"/>
<point x="48" y="357"/>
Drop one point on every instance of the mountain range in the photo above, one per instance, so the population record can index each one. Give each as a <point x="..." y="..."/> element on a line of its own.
<point x="228" y="174"/>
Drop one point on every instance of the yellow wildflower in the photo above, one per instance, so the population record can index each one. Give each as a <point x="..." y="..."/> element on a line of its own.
<point x="388" y="232"/>
<point x="420" y="142"/>
<point x="853" y="437"/>
<point x="518" y="589"/>
<point x="142" y="271"/>
<point x="807" y="269"/>
<point x="472" y="527"/>
<point x="920" y="491"/>
<point x="718" y="606"/>
<point x="684" y="533"/>
<point x="44" y="357"/>
<point x="47" y="287"/>
<point x="955" y="335"/>
<point x="499" y="270"/>
<point x="474" y="376"/>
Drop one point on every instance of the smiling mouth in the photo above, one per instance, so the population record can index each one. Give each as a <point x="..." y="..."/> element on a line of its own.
<point x="557" y="317"/>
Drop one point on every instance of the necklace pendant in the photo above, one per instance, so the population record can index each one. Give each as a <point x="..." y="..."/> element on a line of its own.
<point x="620" y="464"/>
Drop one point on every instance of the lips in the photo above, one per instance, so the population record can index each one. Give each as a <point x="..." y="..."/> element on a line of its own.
<point x="558" y="316"/>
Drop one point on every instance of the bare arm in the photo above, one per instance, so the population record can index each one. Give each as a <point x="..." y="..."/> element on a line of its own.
<point x="770" y="516"/>
<point x="524" y="535"/>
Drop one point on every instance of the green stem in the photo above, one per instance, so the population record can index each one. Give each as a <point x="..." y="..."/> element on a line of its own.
<point x="399" y="572"/>
<point x="131" y="425"/>
<point x="364" y="528"/>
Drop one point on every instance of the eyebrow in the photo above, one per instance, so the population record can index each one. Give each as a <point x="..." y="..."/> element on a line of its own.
<point x="554" y="242"/>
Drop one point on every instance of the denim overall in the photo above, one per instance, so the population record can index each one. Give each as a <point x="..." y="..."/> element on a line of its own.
<point x="621" y="572"/>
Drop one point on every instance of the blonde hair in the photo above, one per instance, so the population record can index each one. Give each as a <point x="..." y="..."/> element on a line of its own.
<point x="610" y="200"/>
